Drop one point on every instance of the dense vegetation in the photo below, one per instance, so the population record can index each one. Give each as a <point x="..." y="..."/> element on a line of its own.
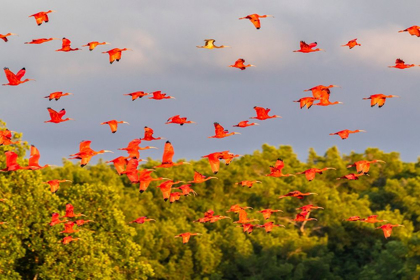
<point x="111" y="248"/>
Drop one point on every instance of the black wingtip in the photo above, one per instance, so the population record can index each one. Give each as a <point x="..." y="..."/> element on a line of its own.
<point x="141" y="191"/>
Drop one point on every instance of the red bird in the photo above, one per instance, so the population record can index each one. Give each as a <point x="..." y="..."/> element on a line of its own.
<point x="137" y="94"/>
<point x="267" y="213"/>
<point x="82" y="222"/>
<point x="363" y="166"/>
<point x="269" y="226"/>
<point x="174" y="196"/>
<point x="308" y="208"/>
<point x="310" y="173"/>
<point x="351" y="176"/>
<point x="66" y="46"/>
<point x="351" y="44"/>
<point x="353" y="219"/>
<point x="388" y="229"/>
<point x="6" y="137"/>
<point x="148" y="135"/>
<point x="243" y="217"/>
<point x="214" y="160"/>
<point x="302" y="217"/>
<point x="186" y="236"/>
<point x="245" y="124"/>
<point x="344" y="134"/>
<point x="55" y="184"/>
<point x="236" y="208"/>
<point x="262" y="114"/>
<point x="178" y="120"/>
<point x="93" y="45"/>
<point x="186" y="190"/>
<point x="168" y="154"/>
<point x="372" y="219"/>
<point x="141" y="220"/>
<point x="248" y="184"/>
<point x="220" y="132"/>
<point x="378" y="99"/>
<point x="200" y="178"/>
<point x="57" y="95"/>
<point x="86" y="153"/>
<point x="55" y="219"/>
<point x="131" y="170"/>
<point x="413" y="30"/>
<point x="41" y="17"/>
<point x="158" y="95"/>
<point x="248" y="227"/>
<point x="276" y="170"/>
<point x="228" y="157"/>
<point x="68" y="239"/>
<point x="400" y="64"/>
<point x="296" y="194"/>
<point x="11" y="162"/>
<point x="166" y="188"/>
<point x="115" y="54"/>
<point x="70" y="212"/>
<point x="15" y="80"/>
<point x="57" y="117"/>
<point x="119" y="164"/>
<point x="41" y="41"/>
<point x="133" y="148"/>
<point x="113" y="124"/>
<point x="68" y="228"/>
<point x="325" y="101"/>
<point x="255" y="19"/>
<point x="4" y="37"/>
<point x="33" y="160"/>
<point x="307" y="48"/>
<point x="145" y="179"/>
<point x="240" y="64"/>
<point x="306" y="101"/>
<point x="320" y="91"/>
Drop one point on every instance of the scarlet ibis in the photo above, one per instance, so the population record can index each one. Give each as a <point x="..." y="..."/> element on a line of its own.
<point x="68" y="239"/>
<point x="243" y="217"/>
<point x="70" y="212"/>
<point x="307" y="48"/>
<point x="133" y="148"/>
<point x="351" y="44"/>
<point x="33" y="160"/>
<point x="168" y="154"/>
<point x="137" y="94"/>
<point x="148" y="135"/>
<point x="351" y="176"/>
<point x="240" y="63"/>
<point x="86" y="153"/>
<point x="57" y="117"/>
<point x="209" y="44"/>
<point x="131" y="170"/>
<point x="387" y="229"/>
<point x="310" y="173"/>
<point x="115" y="54"/>
<point x="308" y="208"/>
<point x="55" y="219"/>
<point x="276" y="170"/>
<point x="228" y="157"/>
<point x="15" y="80"/>
<point x="11" y="162"/>
<point x="412" y="30"/>
<point x="372" y="219"/>
<point x="363" y="166"/>
<point x="55" y="184"/>
<point x="158" y="95"/>
<point x="4" y="37"/>
<point x="178" y="120"/>
<point x="6" y="137"/>
<point x="235" y="208"/>
<point x="353" y="219"/>
<point x="82" y="222"/>
<point x="378" y="99"/>
<point x="66" y="46"/>
<point x="255" y="19"/>
<point x="247" y="227"/>
<point x="400" y="64"/>
<point x="42" y="17"/>
<point x="57" y="95"/>
<point x="320" y="91"/>
<point x="94" y="44"/>
<point x="200" y="178"/>
<point x="245" y="124"/>
<point x="325" y="101"/>
<point x="267" y="213"/>
<point x="142" y="220"/>
<point x="119" y="164"/>
<point x="269" y="226"/>
<point x="296" y="194"/>
<point x="220" y="132"/>
<point x="113" y="124"/>
<point x="306" y="101"/>
<point x="186" y="190"/>
<point x="247" y="183"/>
<point x="262" y="114"/>
<point x="41" y="41"/>
<point x="186" y="236"/>
<point x="214" y="160"/>
<point x="68" y="228"/>
<point x="302" y="217"/>
<point x="166" y="188"/>
<point x="145" y="179"/>
<point x="174" y="196"/>
<point x="344" y="134"/>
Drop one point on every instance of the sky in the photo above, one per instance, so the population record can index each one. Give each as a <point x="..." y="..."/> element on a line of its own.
<point x="163" y="36"/>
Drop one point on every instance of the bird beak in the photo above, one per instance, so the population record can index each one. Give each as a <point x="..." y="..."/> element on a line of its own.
<point x="14" y="34"/>
<point x="106" y="151"/>
<point x="314" y="193"/>
<point x="363" y="131"/>
<point x="126" y="122"/>
<point x="55" y="38"/>
<point x="106" y="43"/>
<point x="153" y="148"/>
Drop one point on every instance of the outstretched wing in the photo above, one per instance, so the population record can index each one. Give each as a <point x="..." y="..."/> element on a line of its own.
<point x="168" y="153"/>
<point x="219" y="130"/>
<point x="20" y="73"/>
<point x="11" y="77"/>
<point x="34" y="158"/>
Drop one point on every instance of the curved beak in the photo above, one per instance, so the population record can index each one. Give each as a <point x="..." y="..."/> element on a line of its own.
<point x="106" y="151"/>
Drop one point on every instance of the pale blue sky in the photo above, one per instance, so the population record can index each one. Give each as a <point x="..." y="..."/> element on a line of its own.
<point x="163" y="36"/>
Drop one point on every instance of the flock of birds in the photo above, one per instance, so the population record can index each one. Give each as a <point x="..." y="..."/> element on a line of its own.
<point x="128" y="165"/>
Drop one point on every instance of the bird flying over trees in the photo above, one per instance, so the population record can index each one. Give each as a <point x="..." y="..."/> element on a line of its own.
<point x="310" y="173"/>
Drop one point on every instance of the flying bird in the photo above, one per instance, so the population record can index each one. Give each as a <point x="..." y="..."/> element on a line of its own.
<point x="15" y="79"/>
<point x="33" y="160"/>
<point x="145" y="179"/>
<point x="269" y="226"/>
<point x="115" y="54"/>
<point x="11" y="162"/>
<point x="86" y="153"/>
<point x="228" y="157"/>
<point x="372" y="219"/>
<point x="310" y="173"/>
<point x="344" y="134"/>
<point x="245" y="124"/>
<point x="387" y="229"/>
<point x="413" y="30"/>
<point x="70" y="212"/>
<point x="351" y="176"/>
<point x="200" y="178"/>
<point x="41" y="17"/>
<point x="55" y="184"/>
<point x="306" y="101"/>
<point x="214" y="160"/>
<point x="55" y="219"/>
<point x="186" y="236"/>
<point x="267" y="213"/>
<point x="113" y="124"/>
<point x="351" y="44"/>
<point x="178" y="120"/>
<point x="148" y="135"/>
<point x="308" y="208"/>
<point x="353" y="219"/>
<point x="166" y="188"/>
<point x="68" y="239"/>
<point x="93" y="45"/>
<point x="236" y="208"/>
<point x="57" y="95"/>
<point x="168" y="153"/>
<point x="141" y="220"/>
<point x="255" y="19"/>
<point x="296" y="194"/>
<point x="4" y="37"/>
<point x="243" y="217"/>
<point x="378" y="99"/>
<point x="210" y="45"/>
<point x="41" y="41"/>
<point x="158" y="95"/>
<point x="137" y="94"/>
<point x="363" y="166"/>
<point x="307" y="48"/>
<point x="57" y="117"/>
<point x="303" y="217"/>
<point x="69" y="227"/>
<point x="240" y="64"/>
<point x="6" y="137"/>
<point x="66" y="46"/>
<point x="247" y="183"/>
<point x="119" y="164"/>
<point x="400" y="64"/>
<point x="320" y="91"/>
<point x="220" y="132"/>
<point x="186" y="190"/>
<point x="262" y="114"/>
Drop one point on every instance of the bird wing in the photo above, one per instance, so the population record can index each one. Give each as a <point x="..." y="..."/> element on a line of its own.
<point x="11" y="158"/>
<point x="168" y="153"/>
<point x="62" y="113"/>
<point x="399" y="61"/>
<point x="148" y="132"/>
<point x="303" y="45"/>
<point x="85" y="146"/>
<point x="34" y="157"/>
<point x="65" y="43"/>
<point x="219" y="130"/>
<point x="256" y="22"/>
<point x="11" y="77"/>
<point x="20" y="74"/>
<point x="53" y="113"/>
<point x="279" y="164"/>
<point x="243" y="215"/>
<point x="198" y="176"/>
